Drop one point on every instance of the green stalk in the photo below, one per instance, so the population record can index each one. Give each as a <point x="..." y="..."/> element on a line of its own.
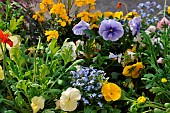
<point x="4" y="62"/>
<point x="164" y="8"/>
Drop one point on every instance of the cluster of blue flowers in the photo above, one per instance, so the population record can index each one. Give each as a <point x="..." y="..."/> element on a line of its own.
<point x="147" y="9"/>
<point x="89" y="81"/>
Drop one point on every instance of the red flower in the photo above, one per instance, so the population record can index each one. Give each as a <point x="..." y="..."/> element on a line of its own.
<point x="4" y="38"/>
<point x="119" y="5"/>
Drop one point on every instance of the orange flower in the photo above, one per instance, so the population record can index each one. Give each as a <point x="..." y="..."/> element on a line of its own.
<point x="119" y="5"/>
<point x="111" y="91"/>
<point x="4" y="38"/>
<point x="168" y="9"/>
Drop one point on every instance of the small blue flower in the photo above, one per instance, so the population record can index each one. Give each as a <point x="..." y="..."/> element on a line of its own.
<point x="78" y="28"/>
<point x="135" y="24"/>
<point x="111" y="30"/>
<point x="100" y="104"/>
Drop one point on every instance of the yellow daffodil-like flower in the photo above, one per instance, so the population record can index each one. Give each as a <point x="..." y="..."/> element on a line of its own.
<point x="51" y="35"/>
<point x="37" y="103"/>
<point x="84" y="15"/>
<point x="111" y="91"/>
<point x="168" y="9"/>
<point x="43" y="8"/>
<point x="90" y="1"/>
<point x="164" y="80"/>
<point x="130" y="15"/>
<point x="48" y="2"/>
<point x="1" y="73"/>
<point x="69" y="98"/>
<point x="80" y="3"/>
<point x="133" y="70"/>
<point x="38" y="16"/>
<point x="141" y="99"/>
<point x="118" y="14"/>
<point x="62" y="23"/>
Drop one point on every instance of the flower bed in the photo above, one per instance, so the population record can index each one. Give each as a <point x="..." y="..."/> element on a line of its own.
<point x="66" y="57"/>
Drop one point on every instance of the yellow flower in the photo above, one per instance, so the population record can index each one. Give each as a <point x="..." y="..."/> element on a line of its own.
<point x="51" y="35"/>
<point x="108" y="14"/>
<point x="130" y="15"/>
<point x="69" y="98"/>
<point x="57" y="8"/>
<point x="48" y="2"/>
<point x="1" y="73"/>
<point x="84" y="16"/>
<point x="62" y="23"/>
<point x="168" y="9"/>
<point x="111" y="91"/>
<point x="80" y="3"/>
<point x="133" y="70"/>
<point x="141" y="99"/>
<point x="43" y="8"/>
<point x="90" y="1"/>
<point x="118" y="14"/>
<point x="38" y="16"/>
<point x="37" y="103"/>
<point x="164" y="80"/>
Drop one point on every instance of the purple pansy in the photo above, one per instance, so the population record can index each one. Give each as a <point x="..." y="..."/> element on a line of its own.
<point x="111" y="30"/>
<point x="78" y="28"/>
<point x="135" y="24"/>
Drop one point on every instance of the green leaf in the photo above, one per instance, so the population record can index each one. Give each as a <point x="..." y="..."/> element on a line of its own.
<point x="116" y="111"/>
<point x="89" y="32"/>
<point x="10" y="111"/>
<point x="167" y="105"/>
<point x="88" y="109"/>
<point x="22" y="85"/>
<point x="14" y="23"/>
<point x="156" y="90"/>
<point x="156" y="110"/>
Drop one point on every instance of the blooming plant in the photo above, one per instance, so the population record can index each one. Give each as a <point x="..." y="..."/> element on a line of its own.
<point x="68" y="57"/>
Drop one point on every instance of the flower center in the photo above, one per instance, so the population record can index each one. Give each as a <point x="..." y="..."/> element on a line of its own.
<point x="111" y="30"/>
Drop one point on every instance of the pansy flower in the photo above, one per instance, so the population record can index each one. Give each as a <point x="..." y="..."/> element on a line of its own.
<point x="4" y="38"/>
<point x="111" y="91"/>
<point x="69" y="98"/>
<point x="111" y="30"/>
<point x="135" y="24"/>
<point x="78" y="28"/>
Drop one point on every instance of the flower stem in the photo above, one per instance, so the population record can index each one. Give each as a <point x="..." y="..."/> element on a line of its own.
<point x="164" y="8"/>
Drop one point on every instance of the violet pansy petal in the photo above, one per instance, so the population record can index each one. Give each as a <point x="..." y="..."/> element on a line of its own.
<point x="78" y="28"/>
<point x="111" y="30"/>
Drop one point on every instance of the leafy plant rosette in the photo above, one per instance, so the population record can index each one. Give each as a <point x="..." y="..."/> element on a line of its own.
<point x="84" y="61"/>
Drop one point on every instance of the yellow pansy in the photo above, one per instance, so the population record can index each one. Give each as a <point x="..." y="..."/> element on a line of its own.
<point x="130" y="15"/>
<point x="108" y="14"/>
<point x="37" y="103"/>
<point x="51" y="34"/>
<point x="141" y="99"/>
<point x="118" y="14"/>
<point x="1" y="73"/>
<point x="133" y="70"/>
<point x="111" y="91"/>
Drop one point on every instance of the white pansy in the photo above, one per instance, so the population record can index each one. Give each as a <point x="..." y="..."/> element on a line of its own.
<point x="37" y="103"/>
<point x="69" y="98"/>
<point x="1" y="74"/>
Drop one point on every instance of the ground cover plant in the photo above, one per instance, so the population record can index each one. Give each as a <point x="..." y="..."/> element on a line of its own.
<point x="68" y="57"/>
